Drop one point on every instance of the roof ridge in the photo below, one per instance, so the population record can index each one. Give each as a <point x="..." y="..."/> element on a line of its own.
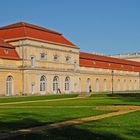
<point x="25" y="24"/>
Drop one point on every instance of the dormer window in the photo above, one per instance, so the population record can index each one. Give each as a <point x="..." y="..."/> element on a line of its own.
<point x="55" y="57"/>
<point x="68" y="59"/>
<point x="43" y="56"/>
<point x="5" y="51"/>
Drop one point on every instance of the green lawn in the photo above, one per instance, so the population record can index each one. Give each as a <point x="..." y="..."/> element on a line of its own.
<point x="13" y="119"/>
<point x="125" y="127"/>
<point x="94" y="100"/>
<point x="34" y="98"/>
<point x="25" y="115"/>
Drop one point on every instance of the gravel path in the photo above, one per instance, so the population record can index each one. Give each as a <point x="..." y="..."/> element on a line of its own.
<point x="48" y="100"/>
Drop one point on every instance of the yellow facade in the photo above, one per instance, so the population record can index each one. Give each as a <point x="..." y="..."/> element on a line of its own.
<point x="26" y="73"/>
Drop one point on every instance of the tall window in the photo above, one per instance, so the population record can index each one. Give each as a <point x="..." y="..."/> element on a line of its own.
<point x="130" y="85"/>
<point x="67" y="84"/>
<point x="118" y="84"/>
<point x="55" y="83"/>
<point x="97" y="84"/>
<point x="111" y="85"/>
<point x="43" y="83"/>
<point x="79" y="84"/>
<point x="32" y="88"/>
<point x="88" y="85"/>
<point x="9" y="85"/>
<point x="124" y="85"/>
<point x="135" y="85"/>
<point x="104" y="85"/>
<point x="32" y="61"/>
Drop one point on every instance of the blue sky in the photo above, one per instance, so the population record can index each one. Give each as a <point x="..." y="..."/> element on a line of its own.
<point x="101" y="26"/>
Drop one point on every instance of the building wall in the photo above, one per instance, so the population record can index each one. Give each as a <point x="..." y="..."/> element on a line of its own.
<point x="33" y="77"/>
<point x="26" y="78"/>
<point x="122" y="80"/>
<point x="16" y="81"/>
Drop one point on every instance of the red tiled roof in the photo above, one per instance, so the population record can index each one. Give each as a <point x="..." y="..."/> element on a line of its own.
<point x="99" y="61"/>
<point x="24" y="24"/>
<point x="7" y="51"/>
<point x="26" y="30"/>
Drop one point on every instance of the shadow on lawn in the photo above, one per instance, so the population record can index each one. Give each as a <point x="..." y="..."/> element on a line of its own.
<point x="129" y="97"/>
<point x="125" y="95"/>
<point x="68" y="133"/>
<point x="64" y="133"/>
<point x="15" y="121"/>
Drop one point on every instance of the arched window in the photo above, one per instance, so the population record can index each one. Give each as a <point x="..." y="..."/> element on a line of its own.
<point x="88" y="85"/>
<point x="43" y="83"/>
<point x="9" y="85"/>
<point x="118" y="84"/>
<point x="55" y="83"/>
<point x="79" y="84"/>
<point x="104" y="85"/>
<point x="67" y="84"/>
<point x="32" y="88"/>
<point x="124" y="85"/>
<point x="130" y="85"/>
<point x="135" y="85"/>
<point x="111" y="85"/>
<point x="97" y="84"/>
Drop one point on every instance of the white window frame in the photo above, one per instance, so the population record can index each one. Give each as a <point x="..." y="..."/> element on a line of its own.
<point x="97" y="85"/>
<point x="42" y="83"/>
<point x="55" y="84"/>
<point x="67" y="84"/>
<point x="9" y="85"/>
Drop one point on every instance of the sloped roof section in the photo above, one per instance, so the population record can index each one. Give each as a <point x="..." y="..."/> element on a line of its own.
<point x="7" y="51"/>
<point x="26" y="30"/>
<point x="99" y="61"/>
<point x="4" y="44"/>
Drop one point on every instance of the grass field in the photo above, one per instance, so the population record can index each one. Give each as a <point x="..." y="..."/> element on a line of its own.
<point x="46" y="111"/>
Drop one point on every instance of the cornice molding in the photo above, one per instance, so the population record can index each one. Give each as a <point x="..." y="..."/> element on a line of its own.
<point x="45" y="47"/>
<point x="39" y="40"/>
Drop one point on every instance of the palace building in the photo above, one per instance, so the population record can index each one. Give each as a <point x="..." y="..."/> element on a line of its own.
<point x="39" y="61"/>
